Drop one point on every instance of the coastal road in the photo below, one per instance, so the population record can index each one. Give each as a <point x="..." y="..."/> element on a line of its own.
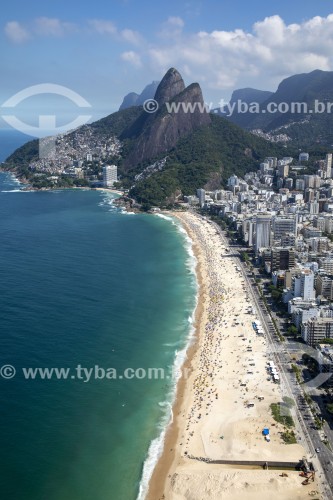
<point x="308" y="437"/>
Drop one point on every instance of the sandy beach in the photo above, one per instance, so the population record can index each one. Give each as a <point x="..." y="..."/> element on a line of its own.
<point x="224" y="396"/>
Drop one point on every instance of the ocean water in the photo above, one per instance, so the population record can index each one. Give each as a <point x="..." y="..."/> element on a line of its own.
<point x="83" y="284"/>
<point x="11" y="139"/>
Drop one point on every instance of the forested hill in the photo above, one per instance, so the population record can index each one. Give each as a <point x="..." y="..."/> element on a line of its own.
<point x="206" y="158"/>
<point x="192" y="149"/>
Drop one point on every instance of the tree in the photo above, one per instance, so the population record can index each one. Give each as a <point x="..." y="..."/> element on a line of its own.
<point x="292" y="330"/>
<point x="326" y="341"/>
<point x="245" y="257"/>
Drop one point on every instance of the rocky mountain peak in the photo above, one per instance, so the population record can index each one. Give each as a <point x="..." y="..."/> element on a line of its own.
<point x="171" y="85"/>
<point x="157" y="133"/>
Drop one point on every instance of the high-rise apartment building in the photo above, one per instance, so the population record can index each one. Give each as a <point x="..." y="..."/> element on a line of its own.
<point x="109" y="175"/>
<point x="263" y="232"/>
<point x="316" y="330"/>
<point x="282" y="259"/>
<point x="283" y="225"/>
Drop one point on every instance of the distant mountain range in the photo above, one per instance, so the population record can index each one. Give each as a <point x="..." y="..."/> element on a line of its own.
<point x="134" y="99"/>
<point x="247" y="95"/>
<point x="301" y="123"/>
<point x="296" y="122"/>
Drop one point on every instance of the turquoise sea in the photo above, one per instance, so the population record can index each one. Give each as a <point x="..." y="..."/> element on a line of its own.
<point x="82" y="283"/>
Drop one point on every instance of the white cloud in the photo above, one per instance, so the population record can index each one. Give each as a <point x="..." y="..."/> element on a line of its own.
<point x="271" y="30"/>
<point x="220" y="59"/>
<point x="175" y="21"/>
<point x="16" y="32"/>
<point x="50" y="26"/>
<point x="103" y="27"/>
<point x="54" y="27"/>
<point x="108" y="28"/>
<point x="132" y="58"/>
<point x="272" y="50"/>
<point x="131" y="36"/>
<point x="172" y="28"/>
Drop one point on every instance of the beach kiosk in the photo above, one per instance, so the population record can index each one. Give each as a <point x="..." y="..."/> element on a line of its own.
<point x="266" y="434"/>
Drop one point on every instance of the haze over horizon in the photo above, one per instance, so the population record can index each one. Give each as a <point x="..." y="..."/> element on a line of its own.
<point x="103" y="52"/>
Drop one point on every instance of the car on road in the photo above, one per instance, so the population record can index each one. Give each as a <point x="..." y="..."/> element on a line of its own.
<point x="317" y="450"/>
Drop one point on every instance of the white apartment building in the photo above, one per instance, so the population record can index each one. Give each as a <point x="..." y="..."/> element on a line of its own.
<point x="109" y="175"/>
<point x="303" y="285"/>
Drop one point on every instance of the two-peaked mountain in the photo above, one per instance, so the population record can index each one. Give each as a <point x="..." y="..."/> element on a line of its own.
<point x="157" y="133"/>
<point x="176" y="149"/>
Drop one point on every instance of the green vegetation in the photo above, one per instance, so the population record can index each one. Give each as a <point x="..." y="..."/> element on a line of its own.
<point x="329" y="407"/>
<point x="318" y="422"/>
<point x="326" y="341"/>
<point x="302" y="88"/>
<point x="205" y="158"/>
<point x="303" y="134"/>
<point x="281" y="337"/>
<point x="219" y="221"/>
<point x="111" y="125"/>
<point x="307" y="398"/>
<point x="276" y="293"/>
<point x="24" y="154"/>
<point x="311" y="363"/>
<point x="245" y="257"/>
<point x="116" y="123"/>
<point x="289" y="437"/>
<point x="292" y="330"/>
<point x="155" y="190"/>
<point x="297" y="372"/>
<point x="223" y="144"/>
<point x="281" y="414"/>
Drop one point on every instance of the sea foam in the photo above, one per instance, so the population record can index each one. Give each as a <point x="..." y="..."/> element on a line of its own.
<point x="165" y="217"/>
<point x="156" y="446"/>
<point x="13" y="191"/>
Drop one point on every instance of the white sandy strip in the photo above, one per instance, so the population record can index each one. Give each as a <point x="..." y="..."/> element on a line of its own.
<point x="229" y="371"/>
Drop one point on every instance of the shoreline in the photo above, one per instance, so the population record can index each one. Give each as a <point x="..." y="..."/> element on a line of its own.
<point x="57" y="188"/>
<point x="166" y="459"/>
<point x="25" y="182"/>
<point x="227" y="428"/>
<point x="185" y="366"/>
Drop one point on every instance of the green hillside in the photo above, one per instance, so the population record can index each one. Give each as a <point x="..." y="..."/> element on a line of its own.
<point x="204" y="158"/>
<point x="306" y="128"/>
<point x="209" y="155"/>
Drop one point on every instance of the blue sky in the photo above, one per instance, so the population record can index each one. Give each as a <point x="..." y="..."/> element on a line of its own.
<point x="105" y="49"/>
